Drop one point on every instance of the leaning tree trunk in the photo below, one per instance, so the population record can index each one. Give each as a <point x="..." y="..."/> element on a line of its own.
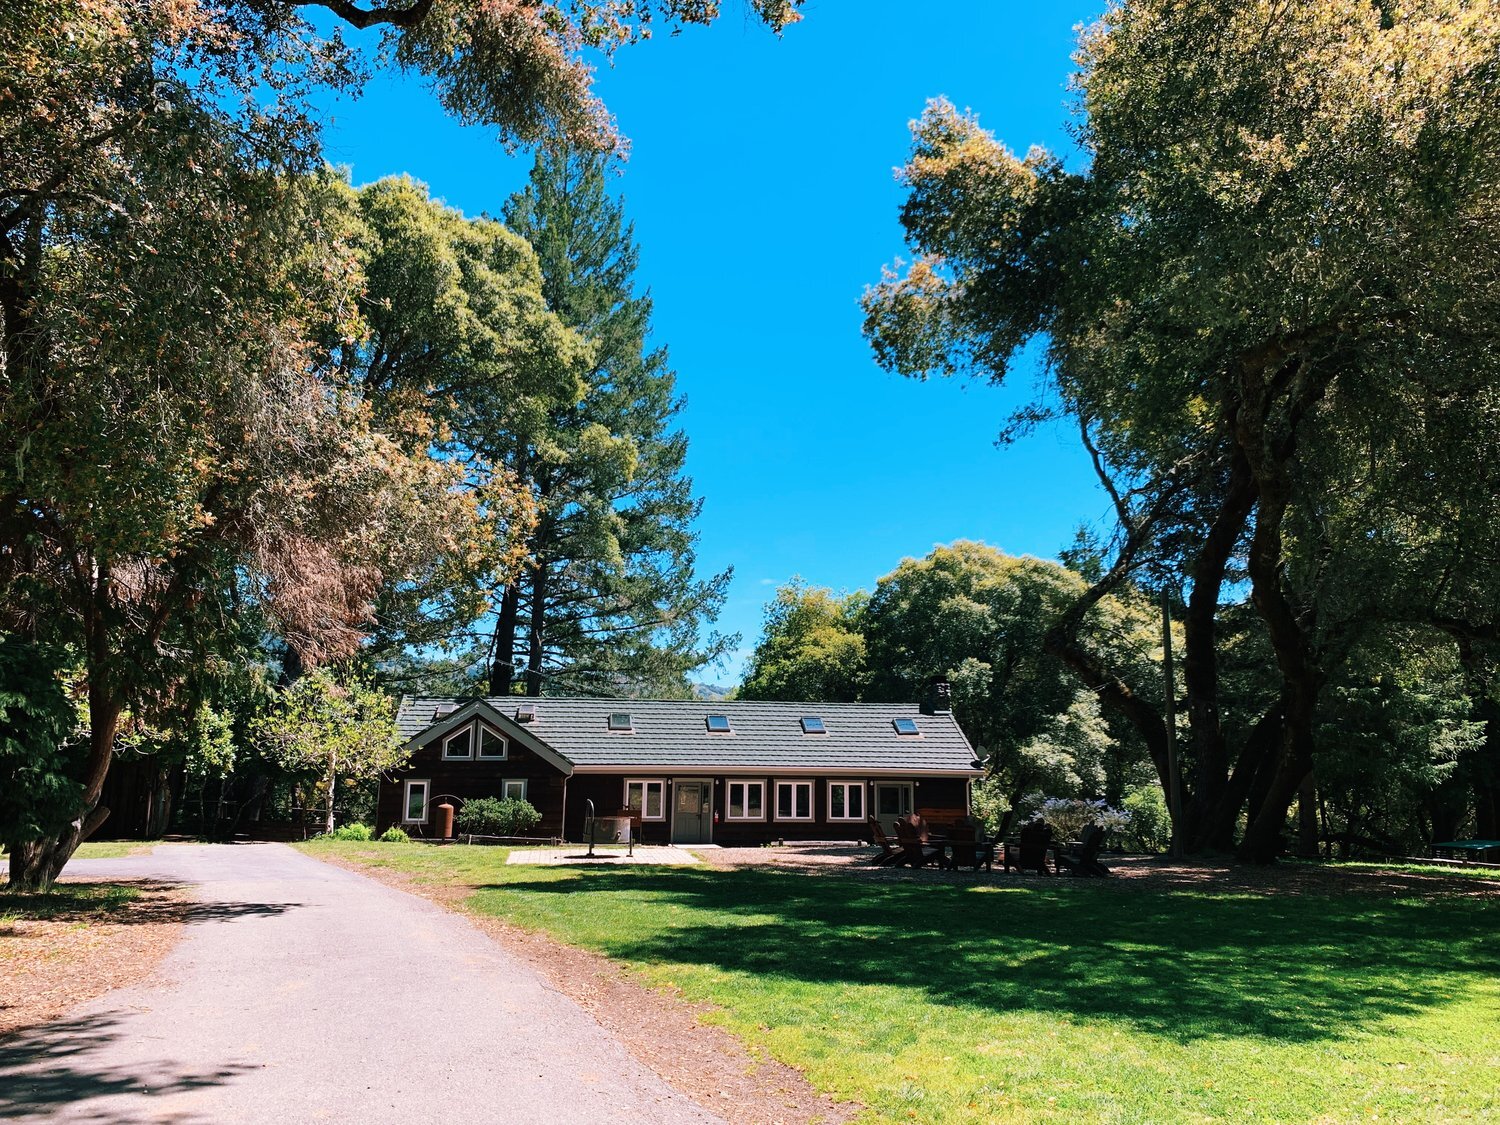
<point x="36" y="864"/>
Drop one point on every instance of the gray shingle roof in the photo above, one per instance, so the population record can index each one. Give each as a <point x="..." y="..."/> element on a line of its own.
<point x="672" y="734"/>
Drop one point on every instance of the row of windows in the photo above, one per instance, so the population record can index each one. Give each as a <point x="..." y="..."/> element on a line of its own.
<point x="743" y="800"/>
<point x="791" y="800"/>
<point x="475" y="741"/>
<point x="415" y="797"/>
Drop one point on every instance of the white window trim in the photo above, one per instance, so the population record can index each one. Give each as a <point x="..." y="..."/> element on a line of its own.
<point x="849" y="786"/>
<point x="729" y="784"/>
<point x="467" y="728"/>
<point x="811" y="800"/>
<point x="480" y="729"/>
<point x="406" y="817"/>
<point x="645" y="782"/>
<point x="521" y="781"/>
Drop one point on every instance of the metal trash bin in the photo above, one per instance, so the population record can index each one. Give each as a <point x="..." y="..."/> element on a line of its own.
<point x="607" y="830"/>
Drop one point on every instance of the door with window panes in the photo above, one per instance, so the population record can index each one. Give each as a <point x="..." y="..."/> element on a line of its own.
<point x="893" y="799"/>
<point x="692" y="812"/>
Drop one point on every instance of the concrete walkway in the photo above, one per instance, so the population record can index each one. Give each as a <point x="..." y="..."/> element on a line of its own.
<point x="307" y="993"/>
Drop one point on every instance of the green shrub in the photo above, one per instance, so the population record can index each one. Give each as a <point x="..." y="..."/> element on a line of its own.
<point x="394" y="835"/>
<point x="1150" y="827"/>
<point x="355" y="831"/>
<point x="990" y="804"/>
<point x="489" y="816"/>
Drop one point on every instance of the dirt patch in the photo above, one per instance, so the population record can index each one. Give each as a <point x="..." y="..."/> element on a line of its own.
<point x="739" y="1083"/>
<point x="58" y="950"/>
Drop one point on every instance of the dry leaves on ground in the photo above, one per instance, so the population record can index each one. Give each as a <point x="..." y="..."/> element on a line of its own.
<point x="84" y="939"/>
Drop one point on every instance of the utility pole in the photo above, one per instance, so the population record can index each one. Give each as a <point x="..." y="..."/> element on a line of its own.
<point x="1174" y="782"/>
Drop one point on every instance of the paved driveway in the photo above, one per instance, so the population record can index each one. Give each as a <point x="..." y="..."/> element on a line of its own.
<point x="307" y="993"/>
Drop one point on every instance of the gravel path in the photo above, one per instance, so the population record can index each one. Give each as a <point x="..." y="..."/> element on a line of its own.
<point x="304" y="992"/>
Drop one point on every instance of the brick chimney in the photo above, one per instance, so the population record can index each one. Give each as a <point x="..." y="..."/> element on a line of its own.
<point x="938" y="699"/>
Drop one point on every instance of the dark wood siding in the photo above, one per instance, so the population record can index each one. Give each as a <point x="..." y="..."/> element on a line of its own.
<point x="475" y="778"/>
<point x="942" y="800"/>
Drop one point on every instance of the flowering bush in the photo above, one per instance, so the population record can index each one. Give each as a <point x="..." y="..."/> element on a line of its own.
<point x="1069" y="816"/>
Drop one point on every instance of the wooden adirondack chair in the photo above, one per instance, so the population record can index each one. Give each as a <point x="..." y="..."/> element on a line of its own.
<point x="1085" y="861"/>
<point x="911" y="834"/>
<point x="1029" y="852"/>
<point x="889" y="853"/>
<point x="970" y="847"/>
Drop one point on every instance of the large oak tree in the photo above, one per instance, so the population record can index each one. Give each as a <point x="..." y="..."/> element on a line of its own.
<point x="1284" y="238"/>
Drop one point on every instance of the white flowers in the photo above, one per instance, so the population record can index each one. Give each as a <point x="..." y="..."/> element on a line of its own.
<point x="1069" y="816"/>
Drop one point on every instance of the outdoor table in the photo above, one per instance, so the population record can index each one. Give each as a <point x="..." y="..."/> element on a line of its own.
<point x="1467" y="850"/>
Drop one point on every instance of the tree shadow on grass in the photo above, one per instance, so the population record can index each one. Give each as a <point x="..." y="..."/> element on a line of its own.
<point x="1184" y="964"/>
<point x="48" y="1068"/>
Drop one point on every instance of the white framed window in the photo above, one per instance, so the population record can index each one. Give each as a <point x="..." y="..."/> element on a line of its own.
<point x="492" y="746"/>
<point x="846" y="800"/>
<point x="747" y="800"/>
<point x="459" y="746"/>
<point x="647" y="797"/>
<point x="894" y="798"/>
<point x="414" y="802"/>
<point x="794" y="800"/>
<point x="513" y="787"/>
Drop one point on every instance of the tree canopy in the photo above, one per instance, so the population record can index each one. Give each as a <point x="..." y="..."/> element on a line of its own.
<point x="978" y="617"/>
<point x="1268" y="300"/>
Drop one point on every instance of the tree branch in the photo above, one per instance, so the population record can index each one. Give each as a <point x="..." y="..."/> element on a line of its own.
<point x="362" y="18"/>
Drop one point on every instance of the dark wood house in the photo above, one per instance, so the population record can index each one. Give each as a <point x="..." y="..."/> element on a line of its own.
<point x="690" y="771"/>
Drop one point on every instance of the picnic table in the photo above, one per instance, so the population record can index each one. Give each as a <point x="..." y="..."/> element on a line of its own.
<point x="1465" y="850"/>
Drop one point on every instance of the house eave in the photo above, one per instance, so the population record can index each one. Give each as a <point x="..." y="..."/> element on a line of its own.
<point x="481" y="709"/>
<point x="770" y="770"/>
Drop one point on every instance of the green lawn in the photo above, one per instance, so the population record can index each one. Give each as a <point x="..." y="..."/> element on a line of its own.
<point x="1441" y="869"/>
<point x="1058" y="1000"/>
<point x="79" y="903"/>
<point x="112" y="849"/>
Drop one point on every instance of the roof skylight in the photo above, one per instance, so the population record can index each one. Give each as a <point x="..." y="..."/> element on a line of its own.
<point x="811" y="724"/>
<point x="906" y="726"/>
<point x="718" y="724"/>
<point x="620" y="720"/>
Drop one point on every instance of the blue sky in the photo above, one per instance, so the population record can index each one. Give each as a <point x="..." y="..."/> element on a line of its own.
<point x="760" y="184"/>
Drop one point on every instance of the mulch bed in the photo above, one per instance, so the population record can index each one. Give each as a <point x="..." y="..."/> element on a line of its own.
<point x="59" y="957"/>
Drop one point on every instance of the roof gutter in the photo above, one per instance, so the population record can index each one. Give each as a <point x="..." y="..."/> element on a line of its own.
<point x="773" y="770"/>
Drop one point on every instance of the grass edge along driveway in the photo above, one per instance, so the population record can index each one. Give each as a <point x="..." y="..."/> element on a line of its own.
<point x="1031" y="1000"/>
